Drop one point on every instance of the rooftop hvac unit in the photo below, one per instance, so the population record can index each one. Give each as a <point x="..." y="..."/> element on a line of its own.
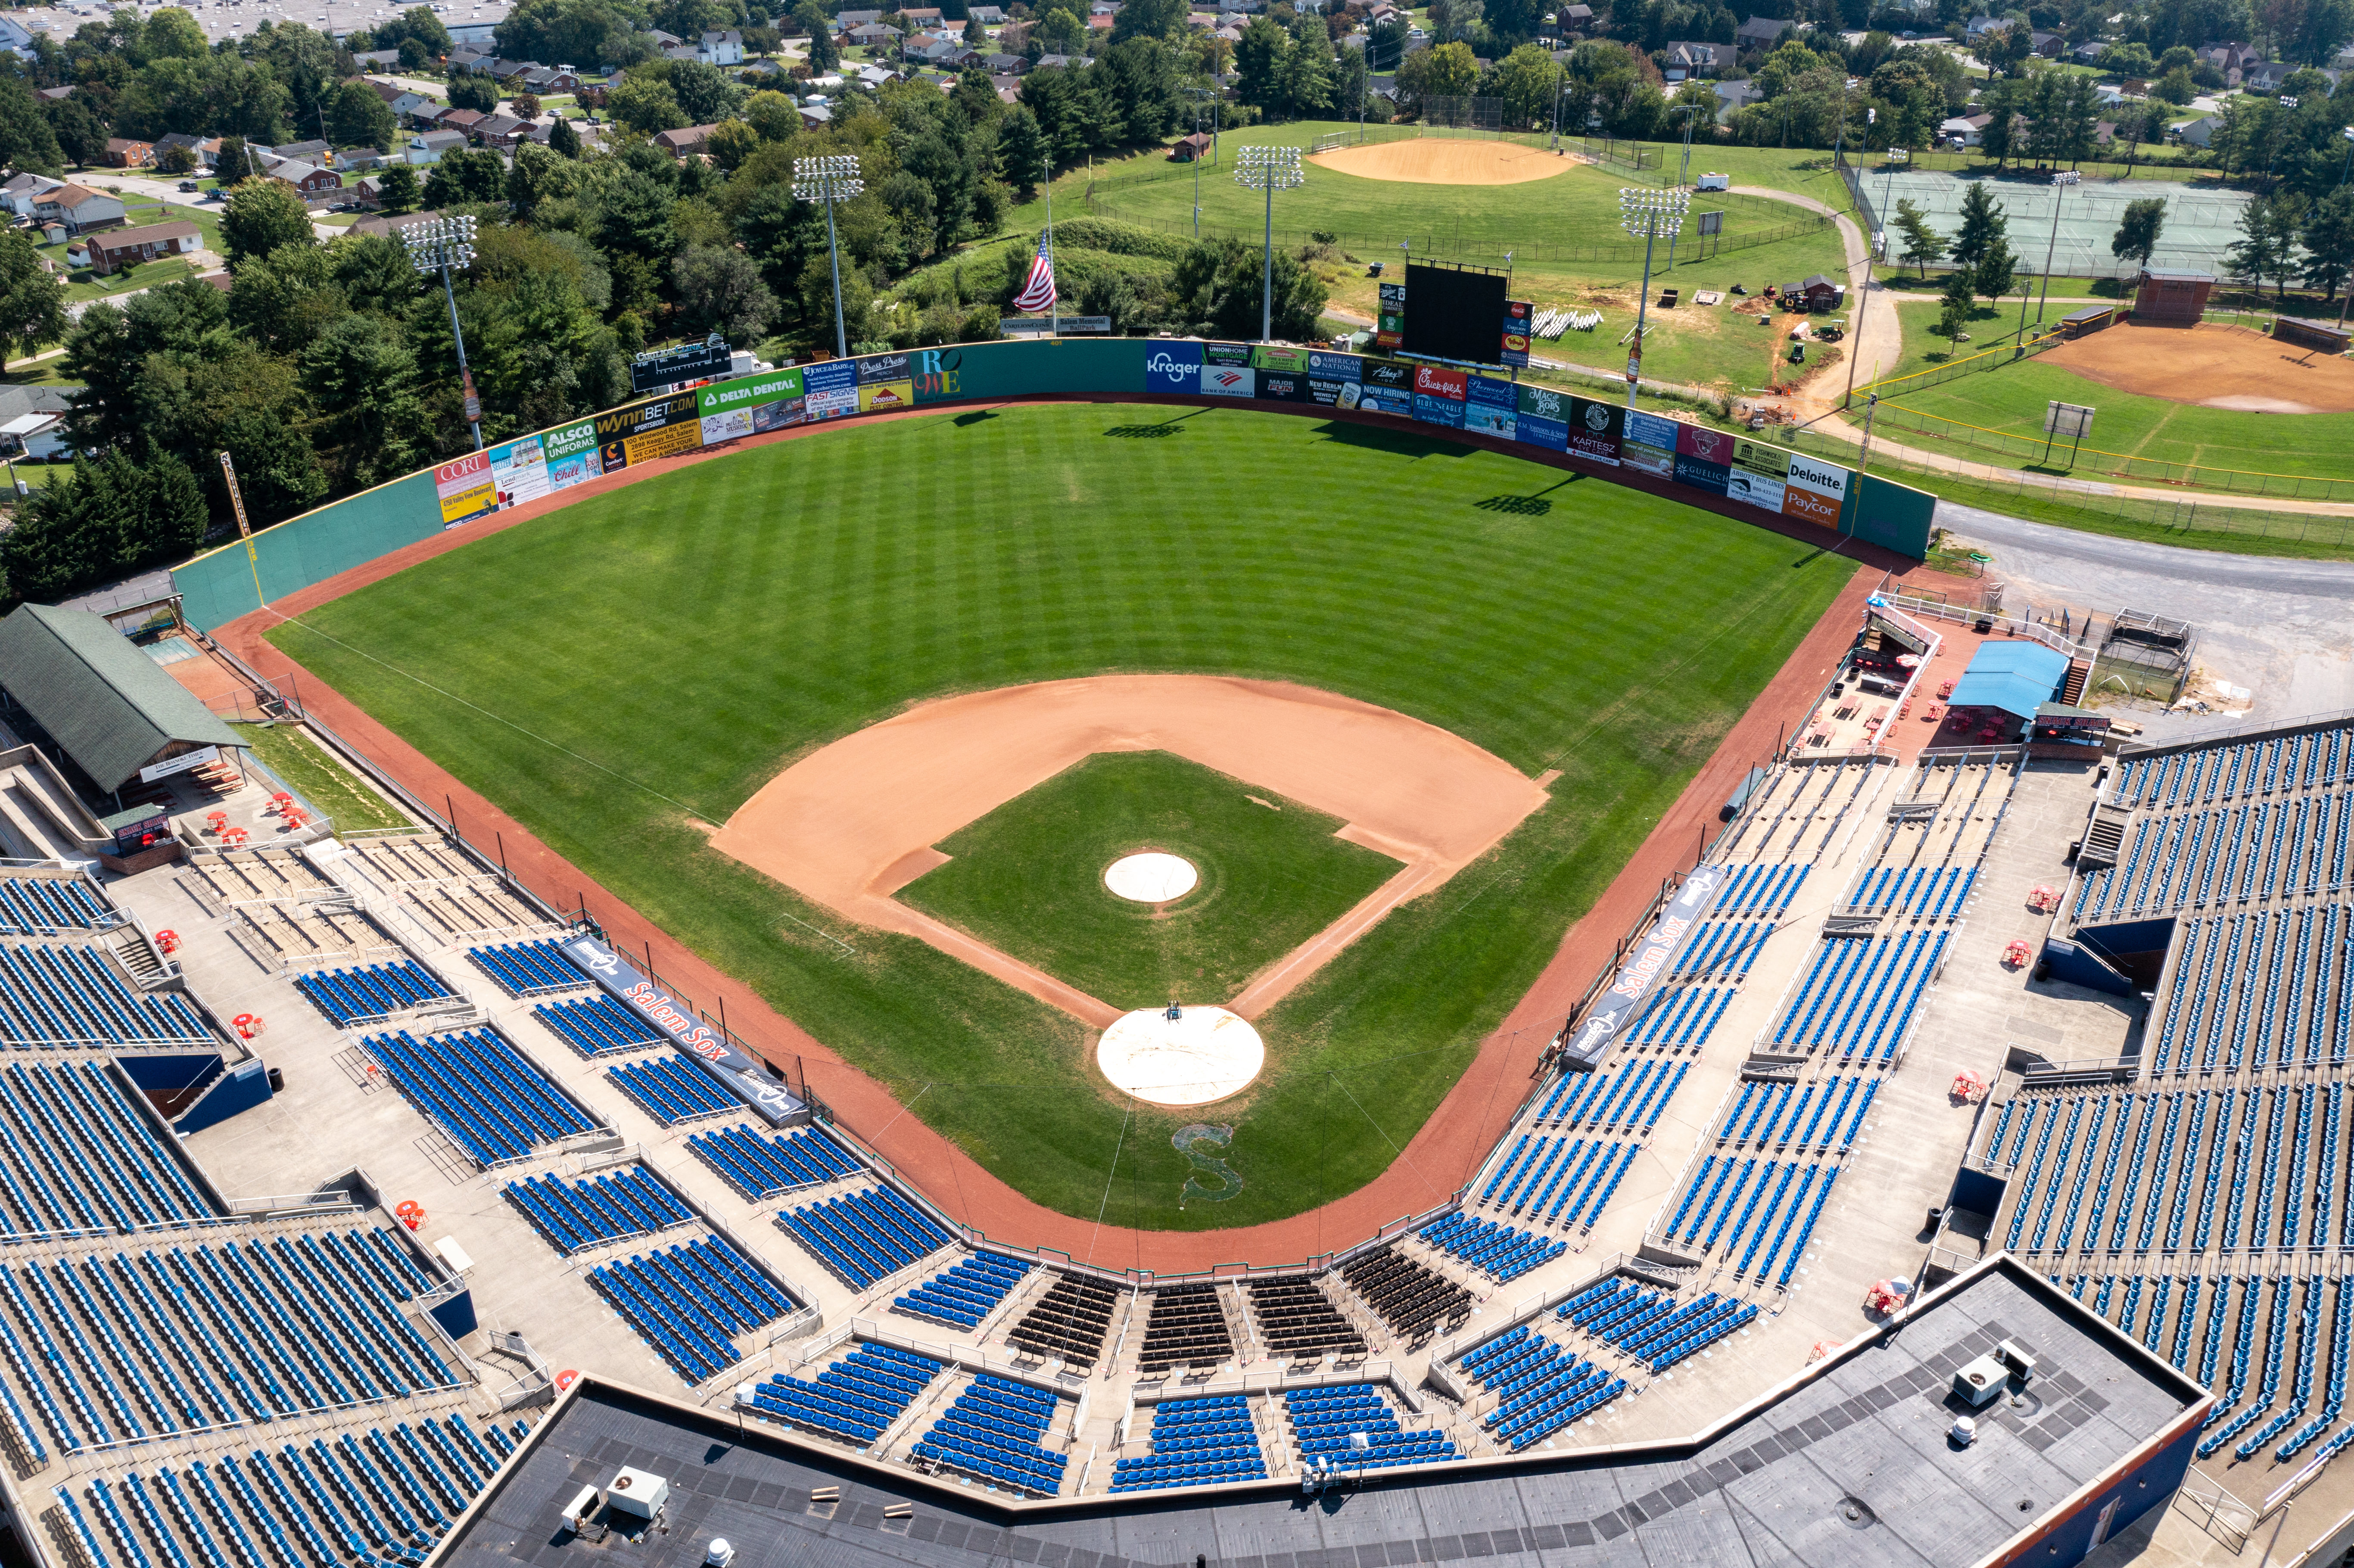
<point x="582" y="1509"/>
<point x="1977" y="1385"/>
<point x="719" y="1553"/>
<point x="637" y="1493"/>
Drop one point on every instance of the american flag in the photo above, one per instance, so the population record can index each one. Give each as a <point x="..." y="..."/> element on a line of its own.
<point x="1038" y="287"/>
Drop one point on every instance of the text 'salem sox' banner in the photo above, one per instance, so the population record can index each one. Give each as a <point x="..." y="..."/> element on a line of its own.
<point x="739" y="1072"/>
<point x="1583" y="1048"/>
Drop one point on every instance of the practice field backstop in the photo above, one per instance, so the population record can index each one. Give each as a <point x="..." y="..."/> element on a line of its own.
<point x="1737" y="475"/>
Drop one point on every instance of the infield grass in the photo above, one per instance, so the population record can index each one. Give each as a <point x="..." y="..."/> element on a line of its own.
<point x="1028" y="878"/>
<point x="611" y="669"/>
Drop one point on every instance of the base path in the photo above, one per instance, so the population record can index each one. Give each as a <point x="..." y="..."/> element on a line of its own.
<point x="1440" y="1157"/>
<point x="848" y="824"/>
<point x="1431" y="161"/>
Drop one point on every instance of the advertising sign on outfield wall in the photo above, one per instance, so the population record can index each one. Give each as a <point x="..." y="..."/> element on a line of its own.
<point x="1518" y="314"/>
<point x="1491" y="406"/>
<point x="1387" y="388"/>
<point x="1438" y="394"/>
<point x="519" y="469"/>
<point x="466" y="488"/>
<point x="570" y="451"/>
<point x="1226" y="372"/>
<point x="1649" y="444"/>
<point x="885" y="383"/>
<point x="832" y="390"/>
<point x="1173" y="367"/>
<point x="1596" y="429"/>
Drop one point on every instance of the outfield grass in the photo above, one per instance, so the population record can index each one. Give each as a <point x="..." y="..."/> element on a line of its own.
<point x="1028" y="879"/>
<point x="662" y="651"/>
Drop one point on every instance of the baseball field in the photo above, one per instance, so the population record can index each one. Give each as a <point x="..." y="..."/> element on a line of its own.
<point x="624" y="676"/>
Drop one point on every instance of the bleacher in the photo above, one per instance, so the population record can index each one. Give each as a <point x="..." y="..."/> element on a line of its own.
<point x="53" y="996"/>
<point x="855" y="1399"/>
<point x="1753" y="1205"/>
<point x="370" y="993"/>
<point x="763" y="1167"/>
<point x="492" y="1100"/>
<point x="1499" y="1251"/>
<point x="1759" y="890"/>
<point x="2258" y="989"/>
<point x="598" y="1026"/>
<point x="1650" y="1326"/>
<point x="43" y="905"/>
<point x="1628" y="1098"/>
<point x="672" y="1088"/>
<point x="1294" y="1317"/>
<point x="125" y="1345"/>
<point x="600" y="1210"/>
<point x="688" y="1299"/>
<point x="1195" y="1443"/>
<point x="1858" y="995"/>
<point x="1324" y="1420"/>
<point x="962" y="1296"/>
<point x="1562" y="1182"/>
<point x="1540" y="1387"/>
<point x="992" y="1432"/>
<point x="1187" y="1327"/>
<point x="76" y="1155"/>
<point x="383" y="1496"/>
<point x="1414" y="1301"/>
<point x="1069" y="1321"/>
<point x="1774" y="1114"/>
<point x="528" y="969"/>
<point x="866" y="1235"/>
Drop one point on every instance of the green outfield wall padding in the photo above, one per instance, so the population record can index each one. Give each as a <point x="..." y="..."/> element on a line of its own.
<point x="216" y="589"/>
<point x="1895" y="515"/>
<point x="973" y="370"/>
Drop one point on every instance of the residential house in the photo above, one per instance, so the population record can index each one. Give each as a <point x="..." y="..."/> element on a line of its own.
<point x="57" y="94"/>
<point x="2051" y="46"/>
<point x="987" y="15"/>
<point x="1761" y="32"/>
<point x="874" y="35"/>
<point x="310" y="181"/>
<point x="320" y="152"/>
<point x="876" y="75"/>
<point x="119" y="248"/>
<point x="79" y="209"/>
<point x="192" y="146"/>
<point x="1004" y="65"/>
<point x="412" y="108"/>
<point x="379" y="59"/>
<point x="1576" y="19"/>
<point x="1979" y="25"/>
<point x="921" y="16"/>
<point x="2267" y="75"/>
<point x="353" y="159"/>
<point x="546" y="81"/>
<point x="843" y="21"/>
<point x="679" y="143"/>
<point x="462" y="121"/>
<point x="932" y="51"/>
<point x="391" y="226"/>
<point x="2200" y="133"/>
<point x="504" y="131"/>
<point x="427" y="147"/>
<point x="1694" y="57"/>
<point x="664" y="40"/>
<point x="1964" y="130"/>
<point x="2090" y="53"/>
<point x="1066" y="62"/>
<point x="20" y="193"/>
<point x="127" y="152"/>
<point x="1731" y="97"/>
<point x="467" y="54"/>
<point x="815" y="115"/>
<point x="21" y="407"/>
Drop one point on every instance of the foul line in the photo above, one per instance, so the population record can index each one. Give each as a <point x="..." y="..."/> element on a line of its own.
<point x="1386" y="1137"/>
<point x="1110" y="1177"/>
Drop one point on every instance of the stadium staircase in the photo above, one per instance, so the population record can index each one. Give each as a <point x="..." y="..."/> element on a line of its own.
<point x="2079" y="670"/>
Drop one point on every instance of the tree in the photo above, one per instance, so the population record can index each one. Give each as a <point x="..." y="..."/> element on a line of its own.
<point x="358" y="117"/>
<point x="730" y="143"/>
<point x="417" y="23"/>
<point x="646" y="105"/>
<point x="2137" y="237"/>
<point x="470" y="90"/>
<point x="1220" y="283"/>
<point x="81" y="134"/>
<point x="276" y="471"/>
<point x="1958" y="302"/>
<point x="465" y="174"/>
<point x="583" y="32"/>
<point x="2175" y="87"/>
<point x="32" y="298"/>
<point x="176" y="160"/>
<point x="1525" y="80"/>
<point x="2328" y="236"/>
<point x="1997" y="269"/>
<point x="362" y="381"/>
<point x="562" y="138"/>
<point x="1998" y="141"/>
<point x="396" y="190"/>
<point x="1148" y="19"/>
<point x="2267" y="243"/>
<point x="26" y="142"/>
<point x="1983" y="224"/>
<point x="824" y="54"/>
<point x="110" y="518"/>
<point x="1020" y="151"/>
<point x="720" y="289"/>
<point x="702" y="94"/>
<point x="261" y="215"/>
<point x="1923" y="244"/>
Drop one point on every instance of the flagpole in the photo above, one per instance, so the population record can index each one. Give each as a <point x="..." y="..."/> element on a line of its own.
<point x="1053" y="295"/>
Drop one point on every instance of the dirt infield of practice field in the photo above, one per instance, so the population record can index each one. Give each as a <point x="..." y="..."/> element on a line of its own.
<point x="1431" y="161"/>
<point x="2214" y="365"/>
<point x="854" y="822"/>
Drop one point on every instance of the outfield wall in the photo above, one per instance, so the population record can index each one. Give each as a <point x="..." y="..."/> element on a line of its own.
<point x="1731" y="473"/>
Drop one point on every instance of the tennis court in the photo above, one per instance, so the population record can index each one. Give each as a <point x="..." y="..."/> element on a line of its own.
<point x="2200" y="224"/>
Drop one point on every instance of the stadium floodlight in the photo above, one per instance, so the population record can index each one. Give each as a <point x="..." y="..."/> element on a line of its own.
<point x="1269" y="169"/>
<point x="830" y="180"/>
<point x="1647" y="212"/>
<point x="435" y="244"/>
<point x="2061" y="180"/>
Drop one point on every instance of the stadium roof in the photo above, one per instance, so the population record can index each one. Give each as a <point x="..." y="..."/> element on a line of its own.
<point x="109" y="705"/>
<point x="1845" y="1465"/>
<point x="2017" y="677"/>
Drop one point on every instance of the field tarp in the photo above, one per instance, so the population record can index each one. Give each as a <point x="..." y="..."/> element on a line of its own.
<point x="217" y="588"/>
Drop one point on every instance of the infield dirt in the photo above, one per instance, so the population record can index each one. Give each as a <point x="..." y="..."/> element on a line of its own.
<point x="1429" y="162"/>
<point x="2212" y="365"/>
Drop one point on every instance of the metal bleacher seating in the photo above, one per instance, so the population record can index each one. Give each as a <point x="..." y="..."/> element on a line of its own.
<point x="1499" y="1250"/>
<point x="77" y="1155"/>
<point x="1540" y="1387"/>
<point x="528" y="969"/>
<point x="967" y="1293"/>
<point x="855" y="1399"/>
<point x="1188" y="1328"/>
<point x="761" y="1167"/>
<point x="619" y="1205"/>
<point x="686" y="1299"/>
<point x="1195" y="1443"/>
<point x="71" y="996"/>
<point x="1323" y="1421"/>
<point x="1070" y="1321"/>
<point x="673" y="1089"/>
<point x="1763" y="1211"/>
<point x="1414" y="1301"/>
<point x="992" y="1432"/>
<point x="598" y="1026"/>
<point x="368" y="993"/>
<point x="1296" y="1318"/>
<point x="866" y="1235"/>
<point x="491" y="1100"/>
<point x="42" y="906"/>
<point x="1650" y="1326"/>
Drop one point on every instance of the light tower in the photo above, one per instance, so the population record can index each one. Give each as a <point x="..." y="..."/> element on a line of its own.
<point x="830" y="179"/>
<point x="1269" y="169"/>
<point x="436" y="245"/>
<point x="1649" y="213"/>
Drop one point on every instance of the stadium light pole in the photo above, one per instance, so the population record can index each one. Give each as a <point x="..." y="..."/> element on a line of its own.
<point x="1645" y="212"/>
<point x="1269" y="169"/>
<point x="830" y="180"/>
<point x="2061" y="180"/>
<point x="2347" y="131"/>
<point x="436" y="245"/>
<point x="1198" y="94"/>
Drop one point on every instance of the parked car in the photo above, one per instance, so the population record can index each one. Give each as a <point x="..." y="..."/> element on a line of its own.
<point x="187" y="185"/>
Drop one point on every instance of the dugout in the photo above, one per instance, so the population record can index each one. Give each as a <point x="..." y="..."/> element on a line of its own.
<point x="2169" y="297"/>
<point x="2090" y="320"/>
<point x="2327" y="336"/>
<point x="110" y="710"/>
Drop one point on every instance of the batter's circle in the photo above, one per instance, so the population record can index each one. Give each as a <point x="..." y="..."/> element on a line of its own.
<point x="1205" y="1054"/>
<point x="1152" y="877"/>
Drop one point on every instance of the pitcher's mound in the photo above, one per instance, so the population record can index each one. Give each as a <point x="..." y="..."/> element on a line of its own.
<point x="1447" y="161"/>
<point x="2214" y="365"/>
<point x="1203" y="1053"/>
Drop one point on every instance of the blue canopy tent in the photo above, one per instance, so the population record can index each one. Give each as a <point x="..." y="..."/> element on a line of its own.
<point x="2008" y="681"/>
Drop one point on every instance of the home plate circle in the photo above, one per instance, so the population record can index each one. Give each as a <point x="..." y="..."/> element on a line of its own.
<point x="1152" y="877"/>
<point x="1203" y="1053"/>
